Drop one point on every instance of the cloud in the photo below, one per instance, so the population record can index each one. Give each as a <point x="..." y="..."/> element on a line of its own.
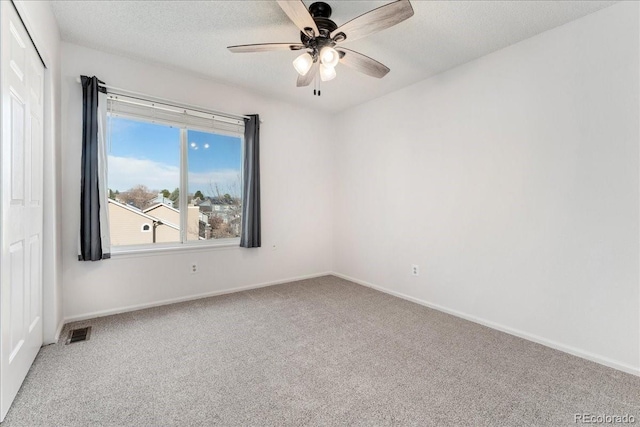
<point x="127" y="172"/>
<point x="228" y="181"/>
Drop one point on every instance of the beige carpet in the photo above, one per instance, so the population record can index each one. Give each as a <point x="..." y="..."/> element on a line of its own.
<point x="316" y="352"/>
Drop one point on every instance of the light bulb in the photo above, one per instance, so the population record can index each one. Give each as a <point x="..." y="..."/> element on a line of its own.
<point x="329" y="56"/>
<point x="327" y="73"/>
<point x="303" y="63"/>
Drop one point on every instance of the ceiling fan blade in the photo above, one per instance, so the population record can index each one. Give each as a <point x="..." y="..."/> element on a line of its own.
<point x="265" y="47"/>
<point x="298" y="13"/>
<point x="376" y="20"/>
<point x="362" y="63"/>
<point x="308" y="78"/>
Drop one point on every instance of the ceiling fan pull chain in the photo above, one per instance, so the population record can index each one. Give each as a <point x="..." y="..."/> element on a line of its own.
<point x="315" y="85"/>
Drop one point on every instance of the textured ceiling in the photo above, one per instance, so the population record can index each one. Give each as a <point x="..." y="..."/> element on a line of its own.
<point x="193" y="35"/>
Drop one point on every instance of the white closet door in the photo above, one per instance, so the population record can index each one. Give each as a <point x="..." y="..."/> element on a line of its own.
<point x="22" y="111"/>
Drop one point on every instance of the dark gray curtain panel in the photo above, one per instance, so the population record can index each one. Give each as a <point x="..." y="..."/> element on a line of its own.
<point x="90" y="231"/>
<point x="250" y="237"/>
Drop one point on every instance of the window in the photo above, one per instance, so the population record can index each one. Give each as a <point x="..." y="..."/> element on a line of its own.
<point x="174" y="175"/>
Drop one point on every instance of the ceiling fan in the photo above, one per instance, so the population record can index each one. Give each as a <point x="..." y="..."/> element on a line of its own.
<point x="320" y="37"/>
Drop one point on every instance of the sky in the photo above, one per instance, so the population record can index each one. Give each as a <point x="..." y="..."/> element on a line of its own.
<point x="149" y="154"/>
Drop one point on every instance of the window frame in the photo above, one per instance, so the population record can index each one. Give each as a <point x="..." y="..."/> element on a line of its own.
<point x="184" y="244"/>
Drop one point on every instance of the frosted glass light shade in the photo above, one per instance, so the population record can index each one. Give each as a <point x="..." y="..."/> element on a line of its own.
<point x="329" y="56"/>
<point x="303" y="63"/>
<point x="327" y="73"/>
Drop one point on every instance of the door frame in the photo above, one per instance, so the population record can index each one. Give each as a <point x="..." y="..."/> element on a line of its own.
<point x="52" y="310"/>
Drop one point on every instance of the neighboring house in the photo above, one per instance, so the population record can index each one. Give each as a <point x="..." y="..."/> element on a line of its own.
<point x="214" y="209"/>
<point x="204" y="228"/>
<point x="204" y="205"/>
<point x="217" y="206"/>
<point x="130" y="226"/>
<point x="235" y="225"/>
<point x="171" y="215"/>
<point x="160" y="199"/>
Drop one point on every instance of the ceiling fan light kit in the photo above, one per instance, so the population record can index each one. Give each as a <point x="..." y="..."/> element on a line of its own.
<point x="327" y="72"/>
<point x="329" y="56"/>
<point x="303" y="63"/>
<point x="320" y="37"/>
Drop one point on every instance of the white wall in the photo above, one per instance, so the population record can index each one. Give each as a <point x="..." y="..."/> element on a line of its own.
<point x="43" y="29"/>
<point x="513" y="182"/>
<point x="296" y="199"/>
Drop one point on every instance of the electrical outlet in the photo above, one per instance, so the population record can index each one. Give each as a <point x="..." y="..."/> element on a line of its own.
<point x="415" y="270"/>
<point x="194" y="268"/>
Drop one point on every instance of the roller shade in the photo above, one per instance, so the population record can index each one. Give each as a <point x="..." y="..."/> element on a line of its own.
<point x="180" y="117"/>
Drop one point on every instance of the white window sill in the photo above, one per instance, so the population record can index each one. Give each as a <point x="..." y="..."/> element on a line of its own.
<point x="168" y="248"/>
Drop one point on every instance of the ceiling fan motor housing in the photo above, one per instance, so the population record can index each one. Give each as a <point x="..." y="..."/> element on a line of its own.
<point x="320" y="12"/>
<point x="320" y="9"/>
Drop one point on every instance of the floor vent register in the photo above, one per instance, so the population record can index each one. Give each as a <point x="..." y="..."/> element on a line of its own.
<point x="78" y="335"/>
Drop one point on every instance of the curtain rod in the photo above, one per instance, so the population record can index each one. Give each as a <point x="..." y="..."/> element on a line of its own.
<point x="119" y="91"/>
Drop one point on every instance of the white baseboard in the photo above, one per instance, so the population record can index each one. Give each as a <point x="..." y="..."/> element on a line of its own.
<point x="126" y="309"/>
<point x="56" y="336"/>
<point x="525" y="335"/>
<point x="59" y="329"/>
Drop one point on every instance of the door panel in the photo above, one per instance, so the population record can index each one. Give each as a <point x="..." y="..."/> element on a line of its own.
<point x="16" y="254"/>
<point x="17" y="149"/>
<point x="36" y="135"/>
<point x="21" y="119"/>
<point x="18" y="51"/>
<point x="35" y="280"/>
